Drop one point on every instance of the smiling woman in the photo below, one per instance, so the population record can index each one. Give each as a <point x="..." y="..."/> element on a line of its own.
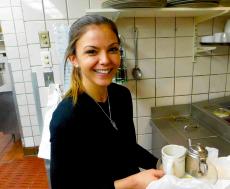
<point x="90" y="120"/>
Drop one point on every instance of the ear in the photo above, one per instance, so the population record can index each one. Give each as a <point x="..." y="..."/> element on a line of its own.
<point x="73" y="60"/>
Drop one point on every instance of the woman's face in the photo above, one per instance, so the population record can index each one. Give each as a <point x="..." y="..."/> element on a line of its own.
<point x="97" y="55"/>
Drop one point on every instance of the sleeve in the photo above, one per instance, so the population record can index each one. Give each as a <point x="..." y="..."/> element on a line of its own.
<point x="145" y="159"/>
<point x="73" y="163"/>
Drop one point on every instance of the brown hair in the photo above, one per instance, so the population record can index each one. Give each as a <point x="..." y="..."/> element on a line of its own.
<point x="77" y="29"/>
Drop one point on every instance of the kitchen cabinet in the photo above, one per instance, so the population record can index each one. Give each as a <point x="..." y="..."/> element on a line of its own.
<point x="199" y="14"/>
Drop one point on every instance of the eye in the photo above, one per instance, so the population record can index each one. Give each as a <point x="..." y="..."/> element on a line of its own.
<point x="91" y="52"/>
<point x="114" y="50"/>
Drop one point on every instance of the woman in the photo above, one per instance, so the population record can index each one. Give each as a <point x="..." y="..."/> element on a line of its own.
<point x="93" y="144"/>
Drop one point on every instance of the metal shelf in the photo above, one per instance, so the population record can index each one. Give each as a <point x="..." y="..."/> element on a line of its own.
<point x="200" y="14"/>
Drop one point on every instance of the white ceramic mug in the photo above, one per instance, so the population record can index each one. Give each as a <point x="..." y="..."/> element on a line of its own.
<point x="173" y="159"/>
<point x="227" y="26"/>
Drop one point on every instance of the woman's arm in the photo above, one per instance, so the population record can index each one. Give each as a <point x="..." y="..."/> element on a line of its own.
<point x="140" y="180"/>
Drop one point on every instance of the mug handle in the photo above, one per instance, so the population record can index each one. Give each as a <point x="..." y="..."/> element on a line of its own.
<point x="169" y="167"/>
<point x="203" y="168"/>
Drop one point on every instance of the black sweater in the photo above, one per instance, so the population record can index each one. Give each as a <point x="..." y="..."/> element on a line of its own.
<point x="86" y="151"/>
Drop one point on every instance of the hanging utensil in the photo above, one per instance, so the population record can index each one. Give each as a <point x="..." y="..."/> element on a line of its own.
<point x="136" y="72"/>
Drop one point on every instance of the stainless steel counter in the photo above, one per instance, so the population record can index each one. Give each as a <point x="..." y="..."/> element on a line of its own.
<point x="175" y="124"/>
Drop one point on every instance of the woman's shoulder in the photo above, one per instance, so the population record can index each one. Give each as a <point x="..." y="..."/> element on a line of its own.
<point x="63" y="111"/>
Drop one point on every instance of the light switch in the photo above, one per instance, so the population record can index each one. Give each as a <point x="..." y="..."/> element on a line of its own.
<point x="46" y="59"/>
<point x="48" y="78"/>
<point x="44" y="39"/>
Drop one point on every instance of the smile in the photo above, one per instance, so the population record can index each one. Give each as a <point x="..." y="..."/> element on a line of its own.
<point x="103" y="71"/>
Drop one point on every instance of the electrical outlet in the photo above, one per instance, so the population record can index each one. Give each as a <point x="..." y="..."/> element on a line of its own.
<point x="44" y="39"/>
<point x="46" y="58"/>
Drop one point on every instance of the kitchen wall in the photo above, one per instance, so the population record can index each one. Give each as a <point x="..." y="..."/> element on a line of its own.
<point x="164" y="52"/>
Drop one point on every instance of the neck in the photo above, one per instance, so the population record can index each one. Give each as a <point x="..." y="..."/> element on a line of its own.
<point x="98" y="94"/>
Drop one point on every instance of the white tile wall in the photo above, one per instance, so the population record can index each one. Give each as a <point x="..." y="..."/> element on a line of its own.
<point x="184" y="26"/>
<point x="76" y="9"/>
<point x="168" y="44"/>
<point x="21" y="99"/>
<point x="27" y="131"/>
<point x="15" y="64"/>
<point x="164" y="87"/>
<point x="144" y="126"/>
<point x="183" y="66"/>
<point x="32" y="10"/>
<point x="147" y="67"/>
<point x="30" y="99"/>
<point x="15" y="2"/>
<point x="165" y="27"/>
<point x="10" y="40"/>
<point x="202" y="66"/>
<point x="19" y="26"/>
<point x="125" y="27"/>
<point x="199" y="97"/>
<point x="17" y="13"/>
<point x="146" y="88"/>
<point x="21" y="39"/>
<point x="17" y="76"/>
<point x="219" y="64"/>
<point x="25" y="121"/>
<point x="12" y="52"/>
<point x="184" y="46"/>
<point x="164" y="101"/>
<point x="29" y="141"/>
<point x="34" y="120"/>
<point x="32" y="30"/>
<point x="217" y="83"/>
<point x="144" y="106"/>
<point x="143" y="31"/>
<point x="165" y="67"/>
<point x="183" y="85"/>
<point x="55" y="9"/>
<point x="182" y="99"/>
<point x="164" y="56"/>
<point x="4" y="3"/>
<point x="6" y="13"/>
<point x="200" y="84"/>
<point x="23" y="52"/>
<point x="149" y="48"/>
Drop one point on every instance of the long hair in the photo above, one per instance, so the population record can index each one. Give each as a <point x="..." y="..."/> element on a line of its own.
<point x="77" y="29"/>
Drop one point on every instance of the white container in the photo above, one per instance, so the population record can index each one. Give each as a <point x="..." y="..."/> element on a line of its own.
<point x="218" y="37"/>
<point x="227" y="26"/>
<point x="207" y="39"/>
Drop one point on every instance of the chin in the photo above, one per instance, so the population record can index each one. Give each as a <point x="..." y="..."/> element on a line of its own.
<point x="104" y="83"/>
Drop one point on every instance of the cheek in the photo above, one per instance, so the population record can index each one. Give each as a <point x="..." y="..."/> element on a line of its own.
<point x="117" y="61"/>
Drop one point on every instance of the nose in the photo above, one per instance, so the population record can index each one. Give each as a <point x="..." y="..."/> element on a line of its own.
<point x="104" y="58"/>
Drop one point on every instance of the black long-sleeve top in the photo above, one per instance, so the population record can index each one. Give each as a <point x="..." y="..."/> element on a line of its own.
<point x="87" y="152"/>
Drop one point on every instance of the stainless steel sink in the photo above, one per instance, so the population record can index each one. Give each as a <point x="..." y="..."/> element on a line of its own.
<point x="176" y="124"/>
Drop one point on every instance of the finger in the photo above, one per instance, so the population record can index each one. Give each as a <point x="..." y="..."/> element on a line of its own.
<point x="158" y="173"/>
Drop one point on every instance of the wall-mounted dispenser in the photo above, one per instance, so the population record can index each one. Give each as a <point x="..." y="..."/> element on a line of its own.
<point x="2" y="68"/>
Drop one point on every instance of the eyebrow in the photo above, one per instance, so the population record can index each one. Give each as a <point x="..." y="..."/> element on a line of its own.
<point x="115" y="43"/>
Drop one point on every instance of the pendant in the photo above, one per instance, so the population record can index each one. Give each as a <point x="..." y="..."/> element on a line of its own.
<point x="114" y="124"/>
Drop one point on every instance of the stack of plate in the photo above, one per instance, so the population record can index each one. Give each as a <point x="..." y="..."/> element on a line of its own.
<point x="193" y="3"/>
<point x="120" y="4"/>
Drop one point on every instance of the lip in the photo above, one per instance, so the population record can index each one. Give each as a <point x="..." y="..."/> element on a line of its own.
<point x="105" y="75"/>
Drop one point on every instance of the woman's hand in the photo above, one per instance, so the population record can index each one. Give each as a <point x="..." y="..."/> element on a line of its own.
<point x="140" y="180"/>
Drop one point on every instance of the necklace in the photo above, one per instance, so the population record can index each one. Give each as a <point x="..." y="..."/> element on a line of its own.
<point x="109" y="117"/>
